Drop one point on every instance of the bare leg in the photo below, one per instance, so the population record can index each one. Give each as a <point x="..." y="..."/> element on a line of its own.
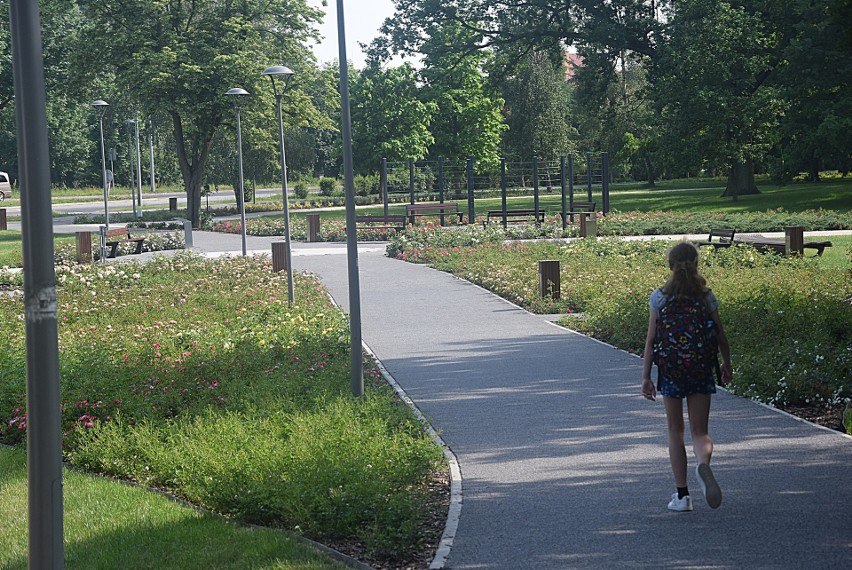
<point x="698" y="408"/>
<point x="677" y="449"/>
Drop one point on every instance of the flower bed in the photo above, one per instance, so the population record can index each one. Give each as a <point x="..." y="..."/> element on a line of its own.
<point x="196" y="376"/>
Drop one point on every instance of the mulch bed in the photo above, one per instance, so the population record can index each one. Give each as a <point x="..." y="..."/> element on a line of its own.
<point x="826" y="416"/>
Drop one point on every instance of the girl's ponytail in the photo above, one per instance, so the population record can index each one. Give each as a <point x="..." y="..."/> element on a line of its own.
<point x="684" y="279"/>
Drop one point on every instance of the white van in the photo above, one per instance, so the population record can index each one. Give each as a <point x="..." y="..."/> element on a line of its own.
<point x="5" y="187"/>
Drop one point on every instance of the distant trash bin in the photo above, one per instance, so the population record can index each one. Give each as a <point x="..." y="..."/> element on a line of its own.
<point x="313" y="222"/>
<point x="84" y="247"/>
<point x="172" y="204"/>
<point x="588" y="224"/>
<point x="3" y="219"/>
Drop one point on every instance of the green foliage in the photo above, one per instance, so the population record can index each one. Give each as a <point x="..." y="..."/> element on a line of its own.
<point x="800" y="304"/>
<point x="388" y="119"/>
<point x="300" y="189"/>
<point x="327" y="186"/>
<point x="196" y="376"/>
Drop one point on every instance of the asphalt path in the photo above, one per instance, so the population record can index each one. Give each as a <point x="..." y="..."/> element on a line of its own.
<point x="564" y="465"/>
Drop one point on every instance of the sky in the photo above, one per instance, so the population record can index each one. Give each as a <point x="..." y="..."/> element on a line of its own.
<point x="363" y="18"/>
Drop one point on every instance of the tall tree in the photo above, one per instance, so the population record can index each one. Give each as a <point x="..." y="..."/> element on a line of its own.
<point x="538" y="104"/>
<point x="656" y="30"/>
<point x="388" y="119"/>
<point x="468" y="118"/>
<point x="179" y="57"/>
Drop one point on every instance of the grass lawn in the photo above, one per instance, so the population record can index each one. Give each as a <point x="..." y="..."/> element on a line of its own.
<point x="109" y="524"/>
<point x="10" y="246"/>
<point x="706" y="197"/>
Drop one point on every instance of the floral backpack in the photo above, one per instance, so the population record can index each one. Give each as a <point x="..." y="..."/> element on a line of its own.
<point x="686" y="343"/>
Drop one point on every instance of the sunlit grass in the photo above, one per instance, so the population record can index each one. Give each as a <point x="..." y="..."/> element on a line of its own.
<point x="109" y="524"/>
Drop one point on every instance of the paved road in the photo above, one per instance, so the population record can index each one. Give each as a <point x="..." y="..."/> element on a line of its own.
<point x="564" y="465"/>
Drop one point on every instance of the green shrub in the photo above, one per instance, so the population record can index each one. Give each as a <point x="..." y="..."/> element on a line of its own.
<point x="300" y="190"/>
<point x="327" y="186"/>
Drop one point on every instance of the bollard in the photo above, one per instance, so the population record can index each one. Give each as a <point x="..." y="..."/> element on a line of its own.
<point x="3" y="225"/>
<point x="279" y="256"/>
<point x="172" y="204"/>
<point x="548" y="278"/>
<point x="313" y="222"/>
<point x="187" y="233"/>
<point x="794" y="240"/>
<point x="84" y="247"/>
<point x="588" y="224"/>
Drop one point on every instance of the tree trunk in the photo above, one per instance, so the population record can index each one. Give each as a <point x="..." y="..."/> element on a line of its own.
<point x="192" y="167"/>
<point x="741" y="181"/>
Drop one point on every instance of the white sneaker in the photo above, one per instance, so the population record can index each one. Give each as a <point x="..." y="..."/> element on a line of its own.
<point x="709" y="486"/>
<point x="680" y="505"/>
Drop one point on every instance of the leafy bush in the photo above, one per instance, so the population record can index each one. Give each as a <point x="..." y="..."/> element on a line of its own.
<point x="196" y="376"/>
<point x="327" y="186"/>
<point x="300" y="190"/>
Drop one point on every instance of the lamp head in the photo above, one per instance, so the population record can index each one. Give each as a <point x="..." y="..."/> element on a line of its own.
<point x="100" y="106"/>
<point x="283" y="74"/>
<point x="236" y="91"/>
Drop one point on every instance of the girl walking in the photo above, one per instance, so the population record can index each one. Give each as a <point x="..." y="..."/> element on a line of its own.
<point x="684" y="336"/>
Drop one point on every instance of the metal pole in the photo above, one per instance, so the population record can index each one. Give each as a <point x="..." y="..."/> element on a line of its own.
<point x="589" y="174"/>
<point x="286" y="201"/>
<point x="138" y="166"/>
<point x="605" y="180"/>
<point x="356" y="360"/>
<point x="151" y="153"/>
<point x="384" y="184"/>
<point x="571" y="185"/>
<point x="564" y="188"/>
<point x="441" y="182"/>
<point x="242" y="185"/>
<point x="471" y="213"/>
<point x="103" y="165"/>
<point x="535" y="187"/>
<point x="130" y="166"/>
<point x="411" y="178"/>
<point x="503" y="191"/>
<point x="44" y="429"/>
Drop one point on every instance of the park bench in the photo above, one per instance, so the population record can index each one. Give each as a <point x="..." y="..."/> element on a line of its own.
<point x="413" y="211"/>
<point x="118" y="236"/>
<point x="580" y="209"/>
<point x="380" y="222"/>
<point x="724" y="237"/>
<point x="779" y="245"/>
<point x="515" y="216"/>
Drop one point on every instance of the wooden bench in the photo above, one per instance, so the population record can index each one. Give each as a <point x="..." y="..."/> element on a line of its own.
<point x="515" y="216"/>
<point x="763" y="243"/>
<point x="413" y="211"/>
<point x="725" y="238"/>
<point x="580" y="208"/>
<point x="118" y="236"/>
<point x="380" y="222"/>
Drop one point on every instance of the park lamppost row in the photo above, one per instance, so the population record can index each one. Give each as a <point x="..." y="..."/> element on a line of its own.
<point x="236" y="91"/>
<point x="284" y="75"/>
<point x="100" y="106"/>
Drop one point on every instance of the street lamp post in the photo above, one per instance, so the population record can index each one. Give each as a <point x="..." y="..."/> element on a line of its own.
<point x="284" y="75"/>
<point x="130" y="123"/>
<point x="100" y="106"/>
<point x="236" y="91"/>
<point x="138" y="168"/>
<point x="151" y="152"/>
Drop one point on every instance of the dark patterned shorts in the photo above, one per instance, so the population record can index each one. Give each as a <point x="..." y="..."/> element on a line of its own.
<point x="681" y="389"/>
